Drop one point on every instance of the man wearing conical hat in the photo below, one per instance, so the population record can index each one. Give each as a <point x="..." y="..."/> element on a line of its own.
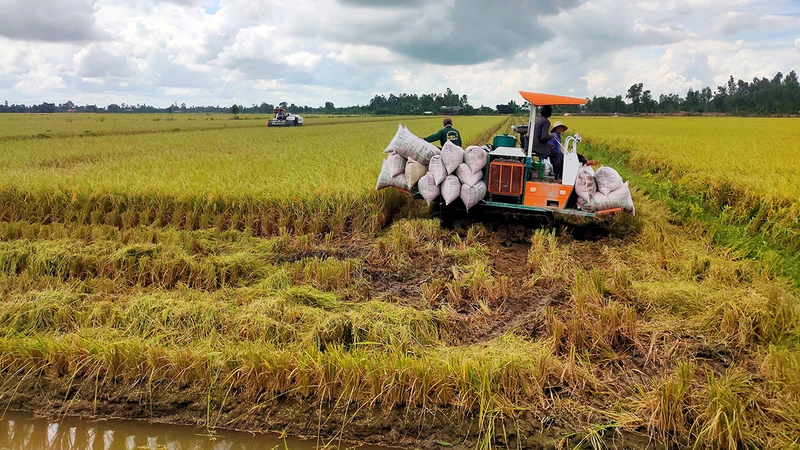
<point x="556" y="151"/>
<point x="556" y="154"/>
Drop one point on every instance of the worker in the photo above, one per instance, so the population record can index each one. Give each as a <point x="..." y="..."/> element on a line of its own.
<point x="554" y="146"/>
<point x="557" y="151"/>
<point x="541" y="132"/>
<point x="448" y="133"/>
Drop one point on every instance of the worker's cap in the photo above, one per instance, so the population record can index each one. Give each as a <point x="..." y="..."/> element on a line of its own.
<point x="558" y="124"/>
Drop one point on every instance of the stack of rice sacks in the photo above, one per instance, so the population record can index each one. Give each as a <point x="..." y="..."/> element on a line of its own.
<point x="602" y="190"/>
<point x="450" y="172"/>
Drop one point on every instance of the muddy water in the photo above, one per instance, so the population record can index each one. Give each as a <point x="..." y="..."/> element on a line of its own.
<point x="23" y="431"/>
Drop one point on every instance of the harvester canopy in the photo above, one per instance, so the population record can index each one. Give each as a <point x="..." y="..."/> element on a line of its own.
<point x="538" y="99"/>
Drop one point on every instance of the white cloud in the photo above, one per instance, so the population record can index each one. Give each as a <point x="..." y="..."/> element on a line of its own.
<point x="734" y="22"/>
<point x="103" y="61"/>
<point x="49" y="20"/>
<point x="746" y="64"/>
<point x="363" y="55"/>
<point x="346" y="51"/>
<point x="265" y="46"/>
<point x="40" y="80"/>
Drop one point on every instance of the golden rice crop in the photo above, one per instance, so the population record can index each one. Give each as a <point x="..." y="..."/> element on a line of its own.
<point x="311" y="179"/>
<point x="746" y="171"/>
<point x="755" y="154"/>
<point x="45" y="126"/>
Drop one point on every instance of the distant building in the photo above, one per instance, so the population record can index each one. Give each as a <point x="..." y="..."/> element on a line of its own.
<point x="452" y="109"/>
<point x="428" y="113"/>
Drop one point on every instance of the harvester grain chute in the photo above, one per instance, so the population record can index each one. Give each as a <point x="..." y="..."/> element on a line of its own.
<point x="285" y="119"/>
<point x="514" y="189"/>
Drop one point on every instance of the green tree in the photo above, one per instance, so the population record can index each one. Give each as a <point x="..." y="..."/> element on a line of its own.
<point x="235" y="111"/>
<point x="635" y="95"/>
<point x="647" y="101"/>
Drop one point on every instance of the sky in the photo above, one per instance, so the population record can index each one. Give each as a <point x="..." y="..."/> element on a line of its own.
<point x="308" y="52"/>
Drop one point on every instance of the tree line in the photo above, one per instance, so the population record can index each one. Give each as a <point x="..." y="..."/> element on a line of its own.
<point x="779" y="95"/>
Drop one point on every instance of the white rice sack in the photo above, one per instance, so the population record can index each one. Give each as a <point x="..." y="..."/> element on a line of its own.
<point x="428" y="188"/>
<point x="437" y="169"/>
<point x="452" y="156"/>
<point x="412" y="147"/>
<point x="401" y="130"/>
<point x="385" y="179"/>
<point x="414" y="171"/>
<point x="471" y="195"/>
<point x="400" y="182"/>
<point x="451" y="189"/>
<point x="620" y="198"/>
<point x="608" y="180"/>
<point x="475" y="157"/>
<point x="548" y="167"/>
<point x="585" y="184"/>
<point x="396" y="164"/>
<point x="466" y="175"/>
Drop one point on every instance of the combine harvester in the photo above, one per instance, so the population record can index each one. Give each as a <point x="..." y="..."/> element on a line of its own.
<point x="285" y="119"/>
<point x="518" y="195"/>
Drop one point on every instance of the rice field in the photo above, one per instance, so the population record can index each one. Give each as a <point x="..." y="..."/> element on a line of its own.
<point x="745" y="171"/>
<point x="315" y="178"/>
<point x="46" y="126"/>
<point x="252" y="279"/>
<point x="757" y="154"/>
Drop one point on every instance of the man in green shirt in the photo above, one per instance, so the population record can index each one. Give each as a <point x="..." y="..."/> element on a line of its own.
<point x="448" y="133"/>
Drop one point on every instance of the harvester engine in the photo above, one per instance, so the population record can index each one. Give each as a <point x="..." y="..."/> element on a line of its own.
<point x="506" y="169"/>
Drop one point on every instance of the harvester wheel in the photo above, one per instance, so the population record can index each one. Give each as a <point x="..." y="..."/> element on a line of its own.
<point x="545" y="221"/>
<point x="504" y="235"/>
<point x="519" y="233"/>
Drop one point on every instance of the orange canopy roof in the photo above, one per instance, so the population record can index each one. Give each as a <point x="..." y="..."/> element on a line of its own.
<point x="538" y="99"/>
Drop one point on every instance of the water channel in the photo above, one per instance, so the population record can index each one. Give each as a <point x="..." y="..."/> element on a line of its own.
<point x="24" y="431"/>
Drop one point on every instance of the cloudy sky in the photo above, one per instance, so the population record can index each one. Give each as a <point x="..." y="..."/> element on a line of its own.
<point x="312" y="51"/>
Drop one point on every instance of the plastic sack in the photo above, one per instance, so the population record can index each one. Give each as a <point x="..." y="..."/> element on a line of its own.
<point x="409" y="146"/>
<point x="451" y="189"/>
<point x="437" y="169"/>
<point x="466" y="175"/>
<point x="475" y="158"/>
<point x="620" y="198"/>
<point x="396" y="164"/>
<point x="452" y="156"/>
<point x="471" y="195"/>
<point x="570" y="167"/>
<point x="428" y="188"/>
<point x="385" y="179"/>
<point x="548" y="167"/>
<point x="414" y="171"/>
<point x="585" y="184"/>
<point x="608" y="180"/>
<point x="400" y="182"/>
